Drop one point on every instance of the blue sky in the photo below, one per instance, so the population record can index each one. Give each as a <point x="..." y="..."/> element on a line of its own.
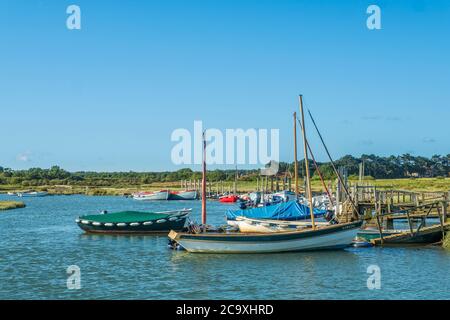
<point x="108" y="96"/>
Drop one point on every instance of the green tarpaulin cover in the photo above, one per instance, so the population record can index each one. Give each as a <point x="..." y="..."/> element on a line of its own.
<point x="125" y="217"/>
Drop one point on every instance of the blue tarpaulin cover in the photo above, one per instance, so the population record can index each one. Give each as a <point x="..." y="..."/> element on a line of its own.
<point x="290" y="210"/>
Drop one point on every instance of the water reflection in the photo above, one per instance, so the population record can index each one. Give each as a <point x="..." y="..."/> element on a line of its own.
<point x="39" y="243"/>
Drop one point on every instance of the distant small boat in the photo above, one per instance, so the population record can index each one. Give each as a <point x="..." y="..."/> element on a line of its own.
<point x="183" y="195"/>
<point x="229" y="198"/>
<point x="32" y="194"/>
<point x="134" y="222"/>
<point x="158" y="195"/>
<point x="285" y="195"/>
<point x="12" y="194"/>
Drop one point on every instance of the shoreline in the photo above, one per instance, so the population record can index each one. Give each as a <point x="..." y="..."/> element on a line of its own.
<point x="414" y="185"/>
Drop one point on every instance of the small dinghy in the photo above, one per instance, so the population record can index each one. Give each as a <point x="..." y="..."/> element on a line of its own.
<point x="134" y="222"/>
<point x="183" y="195"/>
<point x="152" y="196"/>
<point x="229" y="198"/>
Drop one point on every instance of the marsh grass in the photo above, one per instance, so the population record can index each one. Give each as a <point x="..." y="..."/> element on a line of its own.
<point x="7" y="205"/>
<point x="446" y="241"/>
<point x="413" y="184"/>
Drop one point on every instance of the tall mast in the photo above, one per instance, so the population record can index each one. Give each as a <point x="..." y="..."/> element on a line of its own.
<point x="295" y="156"/>
<point x="204" y="181"/>
<point x="305" y="148"/>
<point x="318" y="170"/>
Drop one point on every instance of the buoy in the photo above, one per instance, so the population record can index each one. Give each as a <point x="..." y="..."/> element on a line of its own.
<point x="96" y="223"/>
<point x="77" y="220"/>
<point x="134" y="224"/>
<point x="148" y="223"/>
<point x="161" y="221"/>
<point x="85" y="222"/>
<point x="121" y="224"/>
<point x="109" y="224"/>
<point x="173" y="219"/>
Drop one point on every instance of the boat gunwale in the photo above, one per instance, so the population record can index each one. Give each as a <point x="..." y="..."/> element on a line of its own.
<point x="160" y="215"/>
<point x="268" y="237"/>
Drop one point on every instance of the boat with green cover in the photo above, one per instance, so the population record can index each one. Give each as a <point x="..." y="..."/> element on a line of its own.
<point x="127" y="222"/>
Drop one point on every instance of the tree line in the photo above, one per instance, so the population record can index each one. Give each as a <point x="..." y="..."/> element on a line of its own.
<point x="404" y="166"/>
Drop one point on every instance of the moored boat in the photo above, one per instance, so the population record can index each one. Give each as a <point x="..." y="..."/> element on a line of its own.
<point x="285" y="195"/>
<point x="287" y="211"/>
<point x="369" y="234"/>
<point x="430" y="234"/>
<point x="134" y="222"/>
<point x="32" y="194"/>
<point x="229" y="198"/>
<point x="183" y="195"/>
<point x="157" y="195"/>
<point x="336" y="236"/>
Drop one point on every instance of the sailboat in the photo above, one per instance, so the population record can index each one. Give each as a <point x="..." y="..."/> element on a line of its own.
<point x="309" y="237"/>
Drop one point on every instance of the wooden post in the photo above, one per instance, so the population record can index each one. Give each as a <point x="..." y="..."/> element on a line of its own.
<point x="305" y="149"/>
<point x="204" y="182"/>
<point x="441" y="221"/>
<point x="444" y="206"/>
<point x="338" y="198"/>
<point x="378" y="213"/>
<point x="409" y="223"/>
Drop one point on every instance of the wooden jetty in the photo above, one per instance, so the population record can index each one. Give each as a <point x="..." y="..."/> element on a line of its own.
<point x="381" y="208"/>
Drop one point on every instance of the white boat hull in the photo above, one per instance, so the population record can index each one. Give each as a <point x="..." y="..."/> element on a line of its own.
<point x="339" y="238"/>
<point x="32" y="194"/>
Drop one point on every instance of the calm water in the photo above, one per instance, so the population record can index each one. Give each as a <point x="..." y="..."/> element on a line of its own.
<point x="39" y="242"/>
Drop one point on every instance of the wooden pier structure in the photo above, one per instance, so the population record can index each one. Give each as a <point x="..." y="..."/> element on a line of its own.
<point x="382" y="207"/>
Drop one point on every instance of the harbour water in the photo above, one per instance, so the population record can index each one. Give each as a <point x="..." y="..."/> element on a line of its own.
<point x="38" y="244"/>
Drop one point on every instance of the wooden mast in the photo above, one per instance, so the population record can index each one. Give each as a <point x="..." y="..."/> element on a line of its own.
<point x="318" y="171"/>
<point x="305" y="148"/>
<point x="204" y="181"/>
<point x="295" y="156"/>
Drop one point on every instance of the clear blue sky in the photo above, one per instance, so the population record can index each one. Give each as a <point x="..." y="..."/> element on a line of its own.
<point x="108" y="96"/>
